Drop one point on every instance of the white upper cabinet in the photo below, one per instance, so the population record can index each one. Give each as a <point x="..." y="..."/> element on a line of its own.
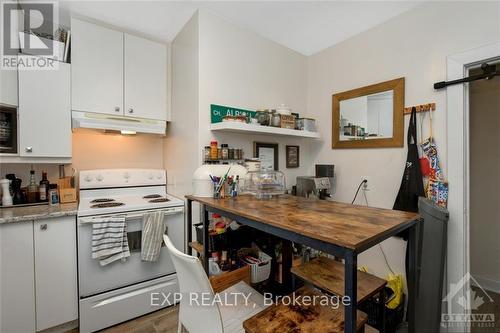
<point x="96" y="68"/>
<point x="45" y="112"/>
<point x="145" y="78"/>
<point x="8" y="87"/>
<point x="117" y="73"/>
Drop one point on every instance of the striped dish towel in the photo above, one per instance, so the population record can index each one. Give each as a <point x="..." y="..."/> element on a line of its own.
<point x="153" y="228"/>
<point x="109" y="240"/>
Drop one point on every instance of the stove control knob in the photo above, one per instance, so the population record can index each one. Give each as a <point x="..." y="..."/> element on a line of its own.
<point x="126" y="175"/>
<point x="88" y="178"/>
<point x="158" y="176"/>
<point x="150" y="176"/>
<point x="99" y="178"/>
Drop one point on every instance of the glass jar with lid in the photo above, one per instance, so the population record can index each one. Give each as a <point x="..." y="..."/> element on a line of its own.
<point x="263" y="117"/>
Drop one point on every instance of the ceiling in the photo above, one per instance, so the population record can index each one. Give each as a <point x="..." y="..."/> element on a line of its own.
<point x="304" y="26"/>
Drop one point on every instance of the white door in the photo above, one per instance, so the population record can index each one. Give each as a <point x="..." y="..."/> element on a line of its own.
<point x="96" y="68"/>
<point x="45" y="112"/>
<point x="8" y="87"/>
<point x="145" y="78"/>
<point x="17" y="290"/>
<point x="55" y="271"/>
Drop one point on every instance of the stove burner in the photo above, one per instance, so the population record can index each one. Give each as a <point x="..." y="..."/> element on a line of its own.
<point x="107" y="205"/>
<point x="159" y="200"/>
<point x="151" y="196"/>
<point x="102" y="200"/>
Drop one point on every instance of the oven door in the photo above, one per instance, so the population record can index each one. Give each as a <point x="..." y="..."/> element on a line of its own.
<point x="95" y="279"/>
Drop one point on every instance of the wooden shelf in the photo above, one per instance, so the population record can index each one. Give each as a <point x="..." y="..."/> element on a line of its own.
<point x="328" y="275"/>
<point x="227" y="279"/>
<point x="229" y="126"/>
<point x="300" y="317"/>
<point x="196" y="246"/>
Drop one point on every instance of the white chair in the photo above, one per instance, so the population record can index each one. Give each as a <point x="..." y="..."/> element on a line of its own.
<point x="198" y="318"/>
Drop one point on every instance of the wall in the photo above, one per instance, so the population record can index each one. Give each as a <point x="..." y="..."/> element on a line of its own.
<point x="414" y="45"/>
<point x="96" y="150"/>
<point x="215" y="62"/>
<point x="181" y="143"/>
<point x="242" y="69"/>
<point x="484" y="182"/>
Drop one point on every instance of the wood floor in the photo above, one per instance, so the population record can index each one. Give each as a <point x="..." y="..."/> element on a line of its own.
<point x="162" y="321"/>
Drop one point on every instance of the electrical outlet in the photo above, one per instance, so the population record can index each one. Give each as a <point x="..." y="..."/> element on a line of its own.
<point x="365" y="186"/>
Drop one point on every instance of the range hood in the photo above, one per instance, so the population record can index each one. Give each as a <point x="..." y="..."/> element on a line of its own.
<point x="117" y="123"/>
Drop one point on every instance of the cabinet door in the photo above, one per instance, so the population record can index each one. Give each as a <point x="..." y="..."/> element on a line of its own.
<point x="45" y="112"/>
<point x="55" y="271"/>
<point x="17" y="285"/>
<point x="145" y="78"/>
<point x="96" y="68"/>
<point x="8" y="87"/>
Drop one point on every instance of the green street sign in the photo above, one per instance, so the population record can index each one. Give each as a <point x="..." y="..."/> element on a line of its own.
<point x="217" y="112"/>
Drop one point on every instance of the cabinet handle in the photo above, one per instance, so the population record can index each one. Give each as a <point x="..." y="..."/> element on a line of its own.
<point x="29" y="149"/>
<point x="117" y="108"/>
<point x="43" y="227"/>
<point x="130" y="110"/>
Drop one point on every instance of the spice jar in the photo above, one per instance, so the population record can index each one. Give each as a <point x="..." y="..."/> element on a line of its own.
<point x="213" y="150"/>
<point x="206" y="153"/>
<point x="231" y="153"/>
<point x="225" y="151"/>
<point x="275" y="119"/>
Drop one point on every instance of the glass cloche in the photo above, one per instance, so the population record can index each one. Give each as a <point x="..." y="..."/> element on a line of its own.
<point x="265" y="184"/>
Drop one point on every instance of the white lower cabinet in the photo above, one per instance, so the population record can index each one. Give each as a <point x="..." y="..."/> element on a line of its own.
<point x="55" y="272"/>
<point x="38" y="272"/>
<point x="17" y="281"/>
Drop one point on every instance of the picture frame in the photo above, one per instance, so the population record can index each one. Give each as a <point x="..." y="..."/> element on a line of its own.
<point x="268" y="154"/>
<point x="292" y="156"/>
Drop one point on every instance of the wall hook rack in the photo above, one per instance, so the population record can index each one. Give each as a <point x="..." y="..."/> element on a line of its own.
<point x="421" y="108"/>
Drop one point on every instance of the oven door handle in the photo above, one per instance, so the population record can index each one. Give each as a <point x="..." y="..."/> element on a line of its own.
<point x="167" y="211"/>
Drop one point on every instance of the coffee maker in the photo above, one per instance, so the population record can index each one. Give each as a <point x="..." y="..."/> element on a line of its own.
<point x="318" y="186"/>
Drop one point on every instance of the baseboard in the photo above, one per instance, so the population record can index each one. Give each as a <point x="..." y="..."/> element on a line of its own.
<point x="488" y="284"/>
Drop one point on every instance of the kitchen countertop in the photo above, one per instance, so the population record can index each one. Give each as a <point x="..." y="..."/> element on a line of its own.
<point x="30" y="213"/>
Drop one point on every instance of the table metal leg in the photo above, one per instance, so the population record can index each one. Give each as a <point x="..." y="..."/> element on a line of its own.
<point x="382" y="299"/>
<point x="411" y="278"/>
<point x="351" y="283"/>
<point x="189" y="226"/>
<point x="205" y="238"/>
<point x="286" y="262"/>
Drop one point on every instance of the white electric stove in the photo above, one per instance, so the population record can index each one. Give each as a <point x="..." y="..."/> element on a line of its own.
<point x="122" y="291"/>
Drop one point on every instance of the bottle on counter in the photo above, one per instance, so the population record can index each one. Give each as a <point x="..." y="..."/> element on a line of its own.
<point x="43" y="189"/>
<point x="53" y="195"/>
<point x="32" y="188"/>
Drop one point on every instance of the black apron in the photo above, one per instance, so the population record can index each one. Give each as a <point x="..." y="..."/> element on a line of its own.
<point x="412" y="185"/>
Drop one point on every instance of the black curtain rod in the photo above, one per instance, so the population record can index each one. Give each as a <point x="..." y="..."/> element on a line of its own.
<point x="489" y="72"/>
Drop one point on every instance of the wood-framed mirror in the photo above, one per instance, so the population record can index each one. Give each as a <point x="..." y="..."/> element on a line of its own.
<point x="369" y="117"/>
